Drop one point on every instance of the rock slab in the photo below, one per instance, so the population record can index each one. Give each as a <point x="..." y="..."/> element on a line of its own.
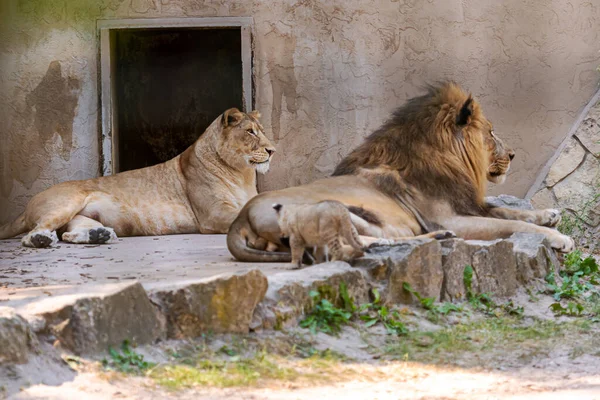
<point x="416" y="262"/>
<point x="219" y="304"/>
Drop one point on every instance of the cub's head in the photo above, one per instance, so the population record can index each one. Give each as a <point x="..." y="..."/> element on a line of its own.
<point x="242" y="141"/>
<point x="498" y="155"/>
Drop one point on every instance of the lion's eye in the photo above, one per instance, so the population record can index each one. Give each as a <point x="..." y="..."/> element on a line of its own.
<point x="251" y="131"/>
<point x="492" y="132"/>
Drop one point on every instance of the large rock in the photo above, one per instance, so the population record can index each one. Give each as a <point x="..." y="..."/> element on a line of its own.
<point x="493" y="262"/>
<point x="218" y="304"/>
<point x="16" y="337"/>
<point x="568" y="160"/>
<point x="416" y="262"/>
<point x="581" y="186"/>
<point x="534" y="257"/>
<point x="288" y="296"/>
<point x="102" y="316"/>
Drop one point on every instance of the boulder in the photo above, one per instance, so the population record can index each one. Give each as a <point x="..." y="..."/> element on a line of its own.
<point x="218" y="304"/>
<point x="493" y="262"/>
<point x="534" y="257"/>
<point x="102" y="316"/>
<point x="16" y="337"/>
<point x="505" y="200"/>
<point x="416" y="262"/>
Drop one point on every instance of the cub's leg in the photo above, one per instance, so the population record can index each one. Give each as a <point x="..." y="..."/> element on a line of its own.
<point x="49" y="211"/>
<point x="297" y="246"/>
<point x="481" y="228"/>
<point x="86" y="230"/>
<point x="334" y="244"/>
<point x="548" y="217"/>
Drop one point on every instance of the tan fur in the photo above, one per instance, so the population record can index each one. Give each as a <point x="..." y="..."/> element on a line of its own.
<point x="200" y="191"/>
<point x="425" y="169"/>
<point x="323" y="226"/>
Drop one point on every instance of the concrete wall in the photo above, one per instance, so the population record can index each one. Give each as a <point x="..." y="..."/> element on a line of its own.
<point x="327" y="73"/>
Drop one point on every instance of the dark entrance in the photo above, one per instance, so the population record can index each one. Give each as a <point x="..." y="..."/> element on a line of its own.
<point x="170" y="84"/>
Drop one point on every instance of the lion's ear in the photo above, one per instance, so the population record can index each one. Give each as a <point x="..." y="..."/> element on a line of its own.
<point x="254" y="114"/>
<point x="464" y="115"/>
<point x="233" y="116"/>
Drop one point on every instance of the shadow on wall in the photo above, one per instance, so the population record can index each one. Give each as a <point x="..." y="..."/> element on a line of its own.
<point x="49" y="111"/>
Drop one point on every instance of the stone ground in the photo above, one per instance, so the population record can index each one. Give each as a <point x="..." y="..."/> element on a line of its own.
<point x="547" y="368"/>
<point x="26" y="275"/>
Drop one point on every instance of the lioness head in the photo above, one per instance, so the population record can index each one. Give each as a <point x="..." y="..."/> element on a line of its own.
<point x="499" y="156"/>
<point x="242" y="142"/>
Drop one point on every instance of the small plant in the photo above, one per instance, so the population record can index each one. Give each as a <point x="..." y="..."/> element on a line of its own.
<point x="479" y="301"/>
<point x="428" y="303"/>
<point x="572" y="310"/>
<point x="510" y="309"/>
<point x="126" y="361"/>
<point x="578" y="282"/>
<point x="374" y="312"/>
<point x="325" y="316"/>
<point x="579" y="276"/>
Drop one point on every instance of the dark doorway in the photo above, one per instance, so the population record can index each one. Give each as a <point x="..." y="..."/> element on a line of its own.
<point x="170" y="84"/>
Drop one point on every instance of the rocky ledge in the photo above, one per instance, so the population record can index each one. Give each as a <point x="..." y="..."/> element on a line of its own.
<point x="90" y="321"/>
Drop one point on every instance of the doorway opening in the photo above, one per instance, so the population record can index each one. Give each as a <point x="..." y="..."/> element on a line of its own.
<point x="165" y="85"/>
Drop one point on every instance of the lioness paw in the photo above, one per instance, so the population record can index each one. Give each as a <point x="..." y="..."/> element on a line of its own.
<point x="40" y="239"/>
<point x="100" y="235"/>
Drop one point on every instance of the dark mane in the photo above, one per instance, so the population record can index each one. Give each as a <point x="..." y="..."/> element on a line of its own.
<point x="434" y="141"/>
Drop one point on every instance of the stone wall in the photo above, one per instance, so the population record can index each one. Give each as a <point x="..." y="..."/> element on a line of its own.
<point x="573" y="181"/>
<point x="326" y="74"/>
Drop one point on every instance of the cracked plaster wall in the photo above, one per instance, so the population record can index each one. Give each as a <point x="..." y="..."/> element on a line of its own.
<point x="327" y="73"/>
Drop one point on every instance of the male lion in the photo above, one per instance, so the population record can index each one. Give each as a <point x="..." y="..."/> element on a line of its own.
<point x="322" y="226"/>
<point x="425" y="169"/>
<point x="199" y="191"/>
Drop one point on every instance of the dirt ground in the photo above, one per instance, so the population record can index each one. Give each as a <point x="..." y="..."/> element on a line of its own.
<point x="469" y="356"/>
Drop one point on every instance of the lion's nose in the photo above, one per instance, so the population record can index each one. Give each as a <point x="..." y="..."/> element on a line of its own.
<point x="270" y="151"/>
<point x="511" y="155"/>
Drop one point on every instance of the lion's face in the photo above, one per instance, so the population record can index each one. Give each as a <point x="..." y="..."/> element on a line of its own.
<point x="500" y="157"/>
<point x="243" y="143"/>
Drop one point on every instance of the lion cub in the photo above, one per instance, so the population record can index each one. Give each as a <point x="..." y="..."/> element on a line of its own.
<point x="322" y="226"/>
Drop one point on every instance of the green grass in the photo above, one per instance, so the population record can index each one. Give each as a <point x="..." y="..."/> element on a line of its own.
<point x="223" y="373"/>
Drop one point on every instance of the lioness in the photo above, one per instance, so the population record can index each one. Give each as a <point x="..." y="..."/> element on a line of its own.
<point x="321" y="226"/>
<point x="425" y="169"/>
<point x="199" y="191"/>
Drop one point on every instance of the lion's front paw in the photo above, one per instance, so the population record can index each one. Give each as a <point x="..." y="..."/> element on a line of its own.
<point x="563" y="243"/>
<point x="550" y="217"/>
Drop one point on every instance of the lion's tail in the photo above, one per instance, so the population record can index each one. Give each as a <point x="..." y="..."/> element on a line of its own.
<point x="14" y="228"/>
<point x="237" y="239"/>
